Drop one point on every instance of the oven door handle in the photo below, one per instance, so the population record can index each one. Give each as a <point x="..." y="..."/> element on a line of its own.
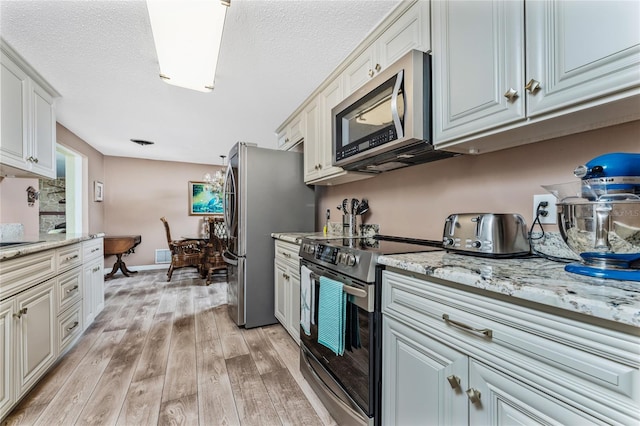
<point x="346" y="288"/>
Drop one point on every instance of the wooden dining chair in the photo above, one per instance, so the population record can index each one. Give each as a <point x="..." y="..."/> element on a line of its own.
<point x="214" y="263"/>
<point x="183" y="252"/>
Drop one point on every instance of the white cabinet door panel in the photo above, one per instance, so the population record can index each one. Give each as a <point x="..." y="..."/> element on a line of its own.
<point x="478" y="56"/>
<point x="414" y="375"/>
<point x="581" y="50"/>
<point x="36" y="333"/>
<point x="6" y="356"/>
<point x="44" y="130"/>
<point x="15" y="113"/>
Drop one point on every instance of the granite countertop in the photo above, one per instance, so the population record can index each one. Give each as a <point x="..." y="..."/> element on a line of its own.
<point x="296" y="237"/>
<point x="44" y="242"/>
<point x="531" y="279"/>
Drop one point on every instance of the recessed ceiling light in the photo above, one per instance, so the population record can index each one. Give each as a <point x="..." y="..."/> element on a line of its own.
<point x="142" y="142"/>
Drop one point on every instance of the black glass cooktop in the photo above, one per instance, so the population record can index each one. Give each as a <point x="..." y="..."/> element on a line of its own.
<point x="385" y="244"/>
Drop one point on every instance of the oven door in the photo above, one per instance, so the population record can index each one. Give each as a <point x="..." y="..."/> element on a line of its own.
<point x="354" y="371"/>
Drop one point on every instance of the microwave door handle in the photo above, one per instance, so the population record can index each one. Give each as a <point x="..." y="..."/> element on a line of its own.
<point x="394" y="104"/>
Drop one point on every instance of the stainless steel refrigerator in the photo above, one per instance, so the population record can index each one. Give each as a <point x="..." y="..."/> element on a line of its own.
<point x="264" y="192"/>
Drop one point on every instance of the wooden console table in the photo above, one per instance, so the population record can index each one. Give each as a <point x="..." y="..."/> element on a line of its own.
<point x="119" y="246"/>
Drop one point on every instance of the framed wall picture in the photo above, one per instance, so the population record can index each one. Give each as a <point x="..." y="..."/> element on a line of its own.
<point x="98" y="191"/>
<point x="203" y="200"/>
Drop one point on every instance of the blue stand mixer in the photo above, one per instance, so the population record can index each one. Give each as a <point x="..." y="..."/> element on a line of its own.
<point x="601" y="222"/>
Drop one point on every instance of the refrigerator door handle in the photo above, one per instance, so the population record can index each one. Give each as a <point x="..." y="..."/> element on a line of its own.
<point x="230" y="258"/>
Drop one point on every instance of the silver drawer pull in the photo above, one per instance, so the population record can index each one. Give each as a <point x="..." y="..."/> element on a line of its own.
<point x="96" y="269"/>
<point x="75" y="324"/>
<point x="72" y="289"/>
<point x="95" y="249"/>
<point x="487" y="332"/>
<point x="285" y="254"/>
<point x="75" y="256"/>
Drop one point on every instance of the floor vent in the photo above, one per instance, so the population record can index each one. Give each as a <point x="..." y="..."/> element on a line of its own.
<point x="163" y="256"/>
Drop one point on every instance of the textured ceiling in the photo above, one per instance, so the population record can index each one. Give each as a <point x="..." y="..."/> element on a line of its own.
<point x="100" y="56"/>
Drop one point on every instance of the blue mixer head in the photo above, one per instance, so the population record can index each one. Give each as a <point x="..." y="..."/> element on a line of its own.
<point x="613" y="173"/>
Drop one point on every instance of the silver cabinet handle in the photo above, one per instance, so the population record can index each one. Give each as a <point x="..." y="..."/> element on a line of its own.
<point x="474" y="395"/>
<point x="454" y="381"/>
<point x="75" y="256"/>
<point x="95" y="249"/>
<point x="532" y="86"/>
<point x="96" y="269"/>
<point x="378" y="67"/>
<point x="511" y="94"/>
<point x="370" y="73"/>
<point x="20" y="313"/>
<point x="72" y="289"/>
<point x="487" y="332"/>
<point x="319" y="166"/>
<point x="75" y="324"/>
<point x="285" y="254"/>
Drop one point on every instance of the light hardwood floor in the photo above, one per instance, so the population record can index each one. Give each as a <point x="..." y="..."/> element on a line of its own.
<point x="164" y="353"/>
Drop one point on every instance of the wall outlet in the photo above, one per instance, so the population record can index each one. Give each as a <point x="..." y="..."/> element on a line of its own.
<point x="551" y="210"/>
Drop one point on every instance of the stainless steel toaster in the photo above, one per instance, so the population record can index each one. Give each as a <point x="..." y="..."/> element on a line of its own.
<point x="486" y="234"/>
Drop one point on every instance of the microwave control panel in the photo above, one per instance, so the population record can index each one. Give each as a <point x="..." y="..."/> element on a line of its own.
<point x="379" y="138"/>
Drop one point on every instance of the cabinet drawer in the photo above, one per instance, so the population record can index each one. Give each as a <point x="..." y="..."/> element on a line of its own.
<point x="559" y="354"/>
<point x="23" y="272"/>
<point x="69" y="326"/>
<point x="92" y="249"/>
<point x="69" y="288"/>
<point x="68" y="257"/>
<point x="287" y="252"/>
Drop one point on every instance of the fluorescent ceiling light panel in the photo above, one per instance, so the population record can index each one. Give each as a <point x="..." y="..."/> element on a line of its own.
<point x="187" y="35"/>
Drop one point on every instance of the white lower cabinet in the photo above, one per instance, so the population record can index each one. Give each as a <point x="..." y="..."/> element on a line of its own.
<point x="415" y="387"/>
<point x="34" y="319"/>
<point x="7" y="397"/>
<point x="456" y="357"/>
<point x="41" y="312"/>
<point x="93" y="282"/>
<point x="287" y="287"/>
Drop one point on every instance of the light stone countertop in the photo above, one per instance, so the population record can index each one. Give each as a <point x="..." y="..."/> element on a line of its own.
<point x="530" y="279"/>
<point x="44" y="242"/>
<point x="296" y="237"/>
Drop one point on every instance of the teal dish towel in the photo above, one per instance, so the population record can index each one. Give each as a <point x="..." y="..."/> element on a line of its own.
<point x="332" y="315"/>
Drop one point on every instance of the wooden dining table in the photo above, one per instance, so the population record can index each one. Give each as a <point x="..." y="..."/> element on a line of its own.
<point x="119" y="246"/>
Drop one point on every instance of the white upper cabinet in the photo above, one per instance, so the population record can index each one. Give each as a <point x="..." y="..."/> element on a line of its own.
<point x="478" y="57"/>
<point x="540" y="68"/>
<point x="580" y="50"/>
<point x="28" y="120"/>
<point x="410" y="31"/>
<point x="405" y="28"/>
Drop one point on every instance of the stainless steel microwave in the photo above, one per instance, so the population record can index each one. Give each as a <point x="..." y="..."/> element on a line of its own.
<point x="386" y="124"/>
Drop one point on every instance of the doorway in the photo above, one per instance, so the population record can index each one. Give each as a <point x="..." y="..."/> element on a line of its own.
<point x="72" y="165"/>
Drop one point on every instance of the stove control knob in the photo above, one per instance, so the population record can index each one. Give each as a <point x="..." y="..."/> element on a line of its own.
<point x="447" y="241"/>
<point x="309" y="248"/>
<point x="340" y="258"/>
<point x="350" y="260"/>
<point x="476" y="244"/>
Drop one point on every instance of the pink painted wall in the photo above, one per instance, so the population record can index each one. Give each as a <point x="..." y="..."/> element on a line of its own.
<point x="139" y="192"/>
<point x="14" y="207"/>
<point x="415" y="201"/>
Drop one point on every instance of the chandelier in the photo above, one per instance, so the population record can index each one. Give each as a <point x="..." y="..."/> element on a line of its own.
<point x="217" y="179"/>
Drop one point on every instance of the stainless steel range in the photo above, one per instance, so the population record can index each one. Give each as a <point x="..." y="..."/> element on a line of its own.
<point x="349" y="384"/>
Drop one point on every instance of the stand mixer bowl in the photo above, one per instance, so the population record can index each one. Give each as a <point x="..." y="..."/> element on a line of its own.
<point x="605" y="234"/>
<point x="601" y="221"/>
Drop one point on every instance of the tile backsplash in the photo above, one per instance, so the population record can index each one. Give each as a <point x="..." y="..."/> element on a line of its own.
<point x="11" y="231"/>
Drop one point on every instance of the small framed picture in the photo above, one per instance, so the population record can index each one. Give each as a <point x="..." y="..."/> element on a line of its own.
<point x="204" y="200"/>
<point x="98" y="191"/>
